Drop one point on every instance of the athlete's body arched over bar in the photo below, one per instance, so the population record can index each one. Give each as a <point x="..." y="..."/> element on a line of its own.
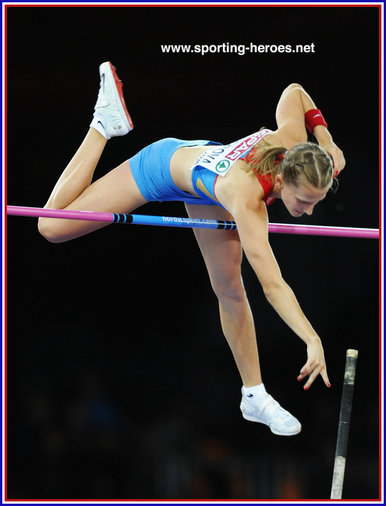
<point x="234" y="182"/>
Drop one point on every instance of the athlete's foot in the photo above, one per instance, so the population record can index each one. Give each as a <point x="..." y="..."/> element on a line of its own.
<point x="269" y="412"/>
<point x="111" y="117"/>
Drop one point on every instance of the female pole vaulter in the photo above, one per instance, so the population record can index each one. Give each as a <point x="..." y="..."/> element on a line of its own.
<point x="231" y="182"/>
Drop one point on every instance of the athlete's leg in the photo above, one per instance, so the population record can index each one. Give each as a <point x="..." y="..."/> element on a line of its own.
<point x="117" y="190"/>
<point x="79" y="172"/>
<point x="114" y="192"/>
<point x="222" y="255"/>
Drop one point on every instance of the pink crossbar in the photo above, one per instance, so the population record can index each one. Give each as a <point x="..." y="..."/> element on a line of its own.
<point x="136" y="219"/>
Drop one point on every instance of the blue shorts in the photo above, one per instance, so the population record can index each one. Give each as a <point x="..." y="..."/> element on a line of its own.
<point x="151" y="171"/>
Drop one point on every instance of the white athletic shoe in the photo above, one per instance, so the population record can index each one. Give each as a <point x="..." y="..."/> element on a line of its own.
<point x="111" y="117"/>
<point x="269" y="412"/>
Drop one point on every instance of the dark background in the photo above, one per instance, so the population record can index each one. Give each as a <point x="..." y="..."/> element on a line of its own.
<point x="120" y="383"/>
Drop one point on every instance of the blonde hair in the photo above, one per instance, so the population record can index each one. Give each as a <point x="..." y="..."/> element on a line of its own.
<point x="306" y="160"/>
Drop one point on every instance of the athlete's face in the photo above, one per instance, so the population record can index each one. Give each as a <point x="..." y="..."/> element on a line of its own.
<point x="301" y="199"/>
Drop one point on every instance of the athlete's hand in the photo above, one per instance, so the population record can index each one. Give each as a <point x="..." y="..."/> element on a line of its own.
<point x="337" y="155"/>
<point x="315" y="364"/>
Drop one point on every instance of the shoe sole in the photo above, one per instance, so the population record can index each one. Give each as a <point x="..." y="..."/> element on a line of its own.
<point x="109" y="70"/>
<point x="277" y="433"/>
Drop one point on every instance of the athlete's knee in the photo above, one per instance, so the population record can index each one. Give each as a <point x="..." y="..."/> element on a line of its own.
<point x="229" y="288"/>
<point x="50" y="230"/>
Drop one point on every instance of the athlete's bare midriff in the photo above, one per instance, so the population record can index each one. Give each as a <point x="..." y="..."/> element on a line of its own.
<point x="181" y="163"/>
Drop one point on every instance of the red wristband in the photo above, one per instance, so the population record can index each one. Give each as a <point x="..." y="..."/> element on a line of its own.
<point x="313" y="118"/>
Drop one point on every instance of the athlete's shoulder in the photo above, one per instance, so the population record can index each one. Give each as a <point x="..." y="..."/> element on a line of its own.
<point x="239" y="187"/>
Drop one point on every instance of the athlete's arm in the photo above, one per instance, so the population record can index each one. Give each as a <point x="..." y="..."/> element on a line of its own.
<point x="252" y="226"/>
<point x="234" y="192"/>
<point x="291" y="108"/>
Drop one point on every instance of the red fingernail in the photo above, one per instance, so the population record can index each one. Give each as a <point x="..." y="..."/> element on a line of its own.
<point x="306" y="388"/>
<point x="335" y="173"/>
<point x="299" y="378"/>
<point x="329" y="385"/>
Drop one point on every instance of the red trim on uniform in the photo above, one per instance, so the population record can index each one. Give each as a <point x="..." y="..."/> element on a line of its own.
<point x="248" y="156"/>
<point x="267" y="185"/>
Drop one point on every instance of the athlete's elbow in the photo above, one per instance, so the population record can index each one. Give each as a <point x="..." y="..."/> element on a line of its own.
<point x="294" y="86"/>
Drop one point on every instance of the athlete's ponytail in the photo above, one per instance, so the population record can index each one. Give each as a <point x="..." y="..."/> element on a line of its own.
<point x="265" y="160"/>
